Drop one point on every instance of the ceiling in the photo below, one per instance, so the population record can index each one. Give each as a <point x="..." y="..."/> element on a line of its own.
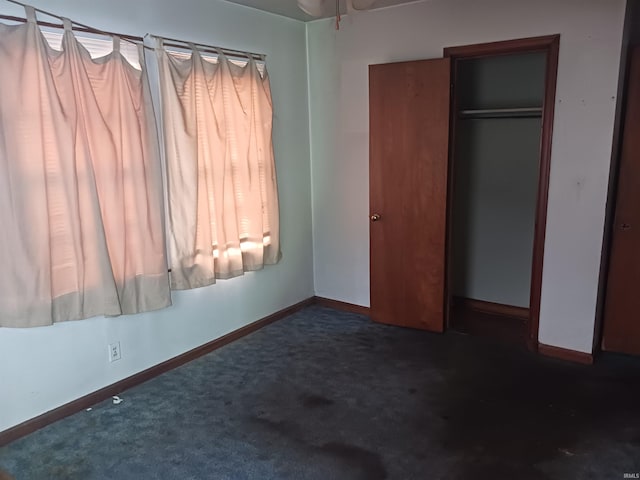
<point x="289" y="8"/>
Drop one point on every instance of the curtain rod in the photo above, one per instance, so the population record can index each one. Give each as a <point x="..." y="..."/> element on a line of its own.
<point x="132" y="38"/>
<point x="210" y="48"/>
<point x="84" y="28"/>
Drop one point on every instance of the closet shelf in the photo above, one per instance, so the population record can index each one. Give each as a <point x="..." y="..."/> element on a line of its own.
<point x="502" y="113"/>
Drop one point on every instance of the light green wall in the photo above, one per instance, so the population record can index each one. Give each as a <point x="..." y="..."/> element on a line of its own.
<point x="44" y="368"/>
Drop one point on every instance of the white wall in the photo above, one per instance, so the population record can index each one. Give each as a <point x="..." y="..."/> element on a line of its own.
<point x="43" y="368"/>
<point x="591" y="34"/>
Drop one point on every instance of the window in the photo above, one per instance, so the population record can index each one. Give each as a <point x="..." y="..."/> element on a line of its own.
<point x="222" y="191"/>
<point x="79" y="184"/>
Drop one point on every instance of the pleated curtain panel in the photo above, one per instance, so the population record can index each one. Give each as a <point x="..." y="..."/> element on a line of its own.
<point x="222" y="191"/>
<point x="80" y="184"/>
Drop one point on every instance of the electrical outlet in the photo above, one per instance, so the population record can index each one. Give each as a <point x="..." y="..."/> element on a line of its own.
<point x="114" y="352"/>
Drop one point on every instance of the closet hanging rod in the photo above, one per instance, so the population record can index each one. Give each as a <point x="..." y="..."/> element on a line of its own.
<point x="174" y="42"/>
<point x="502" y="112"/>
<point x="84" y="28"/>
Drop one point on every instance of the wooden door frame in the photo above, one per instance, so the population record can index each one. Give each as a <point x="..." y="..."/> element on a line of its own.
<point x="549" y="44"/>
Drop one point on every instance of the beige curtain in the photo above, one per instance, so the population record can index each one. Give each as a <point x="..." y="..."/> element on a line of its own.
<point x="223" y="204"/>
<point x="80" y="185"/>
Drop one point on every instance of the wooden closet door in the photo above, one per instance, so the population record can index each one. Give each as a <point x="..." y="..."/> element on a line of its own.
<point x="622" y="307"/>
<point x="408" y="164"/>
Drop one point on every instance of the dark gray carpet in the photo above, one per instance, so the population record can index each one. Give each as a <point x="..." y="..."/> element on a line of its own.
<point x="329" y="395"/>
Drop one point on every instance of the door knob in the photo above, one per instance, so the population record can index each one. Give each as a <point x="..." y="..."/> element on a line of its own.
<point x="375" y="217"/>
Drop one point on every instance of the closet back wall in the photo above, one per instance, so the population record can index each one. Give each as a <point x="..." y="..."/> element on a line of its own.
<point x="43" y="368"/>
<point x="496" y="178"/>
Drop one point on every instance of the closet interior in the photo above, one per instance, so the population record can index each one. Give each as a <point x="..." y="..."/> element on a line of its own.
<point x="495" y="155"/>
